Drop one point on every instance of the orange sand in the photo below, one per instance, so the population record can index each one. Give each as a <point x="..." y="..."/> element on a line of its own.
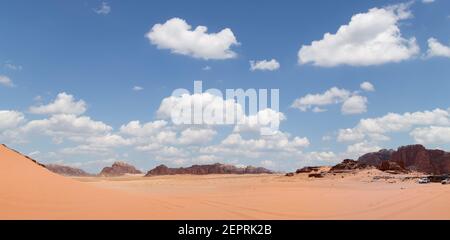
<point x="28" y="191"/>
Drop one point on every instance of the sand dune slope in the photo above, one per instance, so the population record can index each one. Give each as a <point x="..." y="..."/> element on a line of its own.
<point x="29" y="191"/>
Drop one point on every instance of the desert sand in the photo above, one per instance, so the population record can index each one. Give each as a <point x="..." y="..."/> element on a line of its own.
<point x="29" y="191"/>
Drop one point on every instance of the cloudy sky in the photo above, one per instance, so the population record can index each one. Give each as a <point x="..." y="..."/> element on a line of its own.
<point x="87" y="83"/>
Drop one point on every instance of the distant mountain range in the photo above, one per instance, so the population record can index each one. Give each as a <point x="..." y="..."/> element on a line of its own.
<point x="405" y="158"/>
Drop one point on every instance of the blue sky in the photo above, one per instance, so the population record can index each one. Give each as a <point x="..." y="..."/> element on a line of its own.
<point x="97" y="52"/>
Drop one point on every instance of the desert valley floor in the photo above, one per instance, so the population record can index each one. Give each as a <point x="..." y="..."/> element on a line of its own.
<point x="29" y="191"/>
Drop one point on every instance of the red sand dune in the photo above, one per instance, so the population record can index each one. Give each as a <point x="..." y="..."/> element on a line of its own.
<point x="29" y="191"/>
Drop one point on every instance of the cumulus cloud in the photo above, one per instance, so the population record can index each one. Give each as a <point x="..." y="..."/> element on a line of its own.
<point x="361" y="148"/>
<point x="215" y="110"/>
<point x="377" y="128"/>
<point x="73" y="135"/>
<point x="63" y="104"/>
<point x="103" y="9"/>
<point x="367" y="86"/>
<point x="264" y="65"/>
<point x="217" y="107"/>
<point x="321" y="156"/>
<point x="279" y="142"/>
<point x="260" y="120"/>
<point x="61" y="126"/>
<point x="370" y="38"/>
<point x="437" y="49"/>
<point x="196" y="136"/>
<point x="431" y="135"/>
<point x="10" y="119"/>
<point x="332" y="96"/>
<point x="352" y="103"/>
<point x="6" y="81"/>
<point x="178" y="36"/>
<point x="135" y="128"/>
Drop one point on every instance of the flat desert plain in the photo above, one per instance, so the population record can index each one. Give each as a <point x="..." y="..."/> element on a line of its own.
<point x="29" y="191"/>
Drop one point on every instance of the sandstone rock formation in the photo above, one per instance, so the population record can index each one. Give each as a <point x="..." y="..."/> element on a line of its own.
<point x="307" y="170"/>
<point x="412" y="157"/>
<point x="316" y="175"/>
<point x="376" y="158"/>
<point x="67" y="171"/>
<point x="348" y="165"/>
<point x="207" y="169"/>
<point x="418" y="158"/>
<point x="119" y="169"/>
<point x="392" y="167"/>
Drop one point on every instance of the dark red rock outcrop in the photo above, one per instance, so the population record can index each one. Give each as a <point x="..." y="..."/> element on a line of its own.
<point x="348" y="165"/>
<point x="307" y="170"/>
<point x="119" y="169"/>
<point x="207" y="169"/>
<point x="412" y="157"/>
<point x="418" y="158"/>
<point x="316" y="175"/>
<point x="376" y="158"/>
<point x="67" y="171"/>
<point x="391" y="166"/>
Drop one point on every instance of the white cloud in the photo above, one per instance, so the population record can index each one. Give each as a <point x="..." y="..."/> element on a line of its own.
<point x="217" y="111"/>
<point x="6" y="81"/>
<point x="367" y="86"/>
<point x="370" y="38"/>
<point x="361" y="148"/>
<point x="349" y="135"/>
<point x="74" y="135"/>
<point x="321" y="157"/>
<point x="376" y="128"/>
<point x="178" y="36"/>
<point x="196" y="136"/>
<point x="175" y="105"/>
<point x="104" y="9"/>
<point x="264" y="65"/>
<point x="262" y="119"/>
<point x="10" y="119"/>
<point x="332" y="96"/>
<point x="134" y="128"/>
<point x="354" y="105"/>
<point x="428" y="1"/>
<point x="63" y="104"/>
<point x="138" y="88"/>
<point x="437" y="49"/>
<point x="280" y="143"/>
<point x="69" y="126"/>
<point x="431" y="135"/>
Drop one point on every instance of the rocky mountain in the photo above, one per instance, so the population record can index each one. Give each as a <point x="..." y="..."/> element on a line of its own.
<point x="207" y="169"/>
<point x="347" y="165"/>
<point x="119" y="169"/>
<point x="411" y="157"/>
<point x="418" y="158"/>
<point x="67" y="171"/>
<point x="376" y="158"/>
